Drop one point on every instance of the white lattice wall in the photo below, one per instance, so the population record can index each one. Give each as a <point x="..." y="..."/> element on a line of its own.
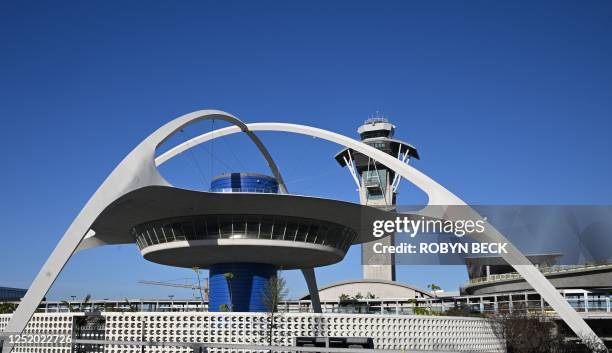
<point x="44" y="325"/>
<point x="388" y="331"/>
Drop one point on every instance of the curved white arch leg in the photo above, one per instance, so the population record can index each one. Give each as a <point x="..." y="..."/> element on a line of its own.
<point x="311" y="282"/>
<point x="137" y="170"/>
<point x="438" y="195"/>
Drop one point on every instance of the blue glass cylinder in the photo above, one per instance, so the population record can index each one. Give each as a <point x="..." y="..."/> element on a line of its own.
<point x="247" y="286"/>
<point x="244" y="182"/>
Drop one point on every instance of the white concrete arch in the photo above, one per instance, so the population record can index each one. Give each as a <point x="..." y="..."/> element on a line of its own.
<point x="135" y="171"/>
<point x="438" y="195"/>
<point x="138" y="169"/>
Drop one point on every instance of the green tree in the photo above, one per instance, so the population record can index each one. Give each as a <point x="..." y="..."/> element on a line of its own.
<point x="528" y="332"/>
<point x="274" y="292"/>
<point x="416" y="309"/>
<point x="7" y="308"/>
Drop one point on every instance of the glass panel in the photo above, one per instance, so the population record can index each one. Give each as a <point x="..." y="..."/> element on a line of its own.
<point x="225" y="226"/>
<point x="322" y="234"/>
<point x="279" y="228"/>
<point x="178" y="231"/>
<point x="160" y="234"/>
<point x="302" y="231"/>
<point x="140" y="243"/>
<point x="188" y="230"/>
<point x="252" y="230"/>
<point x="168" y="232"/>
<point x="212" y="227"/>
<point x="332" y="239"/>
<point x="266" y="227"/>
<point x="152" y="236"/>
<point x="251" y="227"/>
<point x="292" y="228"/>
<point x="312" y="232"/>
<point x="200" y="227"/>
<point x="239" y="224"/>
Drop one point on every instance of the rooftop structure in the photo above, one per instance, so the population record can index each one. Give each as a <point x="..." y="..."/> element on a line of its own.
<point x="491" y="275"/>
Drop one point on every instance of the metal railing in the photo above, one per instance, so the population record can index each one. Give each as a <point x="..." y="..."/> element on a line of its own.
<point x="257" y="190"/>
<point x="375" y="120"/>
<point x="558" y="269"/>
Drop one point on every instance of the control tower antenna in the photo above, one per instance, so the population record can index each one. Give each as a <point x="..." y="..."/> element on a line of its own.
<point x="377" y="184"/>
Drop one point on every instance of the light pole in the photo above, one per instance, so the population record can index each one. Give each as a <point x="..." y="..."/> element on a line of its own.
<point x="171" y="296"/>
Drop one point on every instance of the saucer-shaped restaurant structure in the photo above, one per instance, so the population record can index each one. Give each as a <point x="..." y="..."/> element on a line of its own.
<point x="243" y="231"/>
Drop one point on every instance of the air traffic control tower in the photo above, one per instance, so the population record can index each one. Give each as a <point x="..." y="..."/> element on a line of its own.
<point x="377" y="186"/>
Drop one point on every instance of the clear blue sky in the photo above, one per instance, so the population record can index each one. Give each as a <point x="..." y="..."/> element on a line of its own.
<point x="507" y="102"/>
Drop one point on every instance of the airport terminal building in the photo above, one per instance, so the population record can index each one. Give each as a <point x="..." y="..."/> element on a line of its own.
<point x="11" y="294"/>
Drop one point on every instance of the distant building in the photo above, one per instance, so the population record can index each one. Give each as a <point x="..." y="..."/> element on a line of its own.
<point x="492" y="275"/>
<point x="11" y="294"/>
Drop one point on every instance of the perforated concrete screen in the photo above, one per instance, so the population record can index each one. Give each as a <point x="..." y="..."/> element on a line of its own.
<point x="388" y="331"/>
<point x="44" y="325"/>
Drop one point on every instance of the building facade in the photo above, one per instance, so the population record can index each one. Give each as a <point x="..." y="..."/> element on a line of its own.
<point x="8" y="294"/>
<point x="181" y="332"/>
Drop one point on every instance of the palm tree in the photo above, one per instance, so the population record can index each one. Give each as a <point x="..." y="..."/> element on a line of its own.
<point x="344" y="297"/>
<point x="130" y="307"/>
<point x="229" y="277"/>
<point x="434" y="288"/>
<point x="85" y="301"/>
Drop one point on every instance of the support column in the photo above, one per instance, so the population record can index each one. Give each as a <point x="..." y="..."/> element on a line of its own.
<point x="311" y="282"/>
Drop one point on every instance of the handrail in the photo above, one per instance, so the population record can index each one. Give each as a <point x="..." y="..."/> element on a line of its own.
<point x="558" y="269"/>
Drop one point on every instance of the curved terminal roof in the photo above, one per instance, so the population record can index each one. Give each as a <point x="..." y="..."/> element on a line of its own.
<point x="382" y="289"/>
